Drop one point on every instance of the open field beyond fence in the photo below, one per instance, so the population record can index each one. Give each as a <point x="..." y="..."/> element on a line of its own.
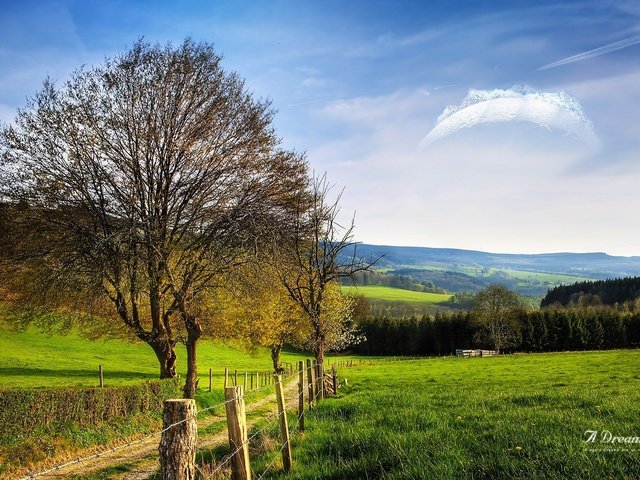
<point x="510" y="417"/>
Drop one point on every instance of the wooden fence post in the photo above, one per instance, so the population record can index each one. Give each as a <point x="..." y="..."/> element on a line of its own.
<point x="178" y="443"/>
<point x="237" y="427"/>
<point x="235" y="378"/>
<point x="334" y="377"/>
<point x="101" y="376"/>
<point x="310" y="382"/>
<point x="301" y="396"/>
<point x="226" y="378"/>
<point x="210" y="379"/>
<point x="245" y="381"/>
<point x="320" y="380"/>
<point x="284" y="427"/>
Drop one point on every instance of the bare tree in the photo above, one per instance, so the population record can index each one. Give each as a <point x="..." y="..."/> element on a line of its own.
<point x="320" y="253"/>
<point x="495" y="314"/>
<point x="149" y="176"/>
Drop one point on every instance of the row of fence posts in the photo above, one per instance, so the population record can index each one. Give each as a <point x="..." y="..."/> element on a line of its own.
<point x="179" y="435"/>
<point x="250" y="380"/>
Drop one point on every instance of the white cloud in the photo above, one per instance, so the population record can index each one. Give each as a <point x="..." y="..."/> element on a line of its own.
<point x="495" y="188"/>
<point x="311" y="82"/>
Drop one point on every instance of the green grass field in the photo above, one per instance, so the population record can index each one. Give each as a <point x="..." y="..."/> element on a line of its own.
<point x="34" y="359"/>
<point x="524" y="275"/>
<point x="512" y="417"/>
<point x="389" y="294"/>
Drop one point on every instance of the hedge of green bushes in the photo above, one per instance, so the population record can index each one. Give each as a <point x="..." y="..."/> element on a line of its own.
<point x="49" y="409"/>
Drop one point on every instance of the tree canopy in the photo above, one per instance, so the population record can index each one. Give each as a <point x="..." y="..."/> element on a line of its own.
<point x="140" y="181"/>
<point x="495" y="310"/>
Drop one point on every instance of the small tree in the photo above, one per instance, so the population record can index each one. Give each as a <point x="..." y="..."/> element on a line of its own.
<point x="256" y="310"/>
<point x="495" y="315"/>
<point x="319" y="254"/>
<point x="145" y="179"/>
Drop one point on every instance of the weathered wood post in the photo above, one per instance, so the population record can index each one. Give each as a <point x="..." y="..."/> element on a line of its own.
<point x="178" y="442"/>
<point x="284" y="427"/>
<point x="245" y="381"/>
<point x="320" y="380"/>
<point x="334" y="377"/>
<point x="301" y="396"/>
<point x="310" y="382"/>
<point x="101" y="376"/>
<point x="235" y="378"/>
<point x="237" y="427"/>
<point x="210" y="379"/>
<point x="226" y="377"/>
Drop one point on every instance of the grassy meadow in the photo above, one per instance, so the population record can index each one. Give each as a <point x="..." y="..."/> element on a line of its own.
<point x="511" y="417"/>
<point x="32" y="358"/>
<point x="390" y="294"/>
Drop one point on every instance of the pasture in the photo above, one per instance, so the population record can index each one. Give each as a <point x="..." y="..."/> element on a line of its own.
<point x="520" y="416"/>
<point x="510" y="417"/>
<point x="390" y="294"/>
<point x="32" y="358"/>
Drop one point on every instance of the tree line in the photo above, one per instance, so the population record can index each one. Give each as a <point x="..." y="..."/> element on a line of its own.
<point x="538" y="331"/>
<point x="610" y="292"/>
<point x="392" y="280"/>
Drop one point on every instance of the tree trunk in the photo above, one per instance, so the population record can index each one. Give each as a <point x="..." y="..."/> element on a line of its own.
<point x="194" y="332"/>
<point x="319" y="354"/>
<point x="164" y="348"/>
<point x="275" y="357"/>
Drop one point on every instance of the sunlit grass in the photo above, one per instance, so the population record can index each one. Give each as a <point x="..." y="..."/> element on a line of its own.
<point x="512" y="417"/>
<point x="378" y="292"/>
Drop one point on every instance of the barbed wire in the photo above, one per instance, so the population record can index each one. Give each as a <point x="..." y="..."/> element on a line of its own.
<point x="108" y="450"/>
<point x="225" y="460"/>
<point x="284" y="444"/>
<point x="270" y="421"/>
<point x="146" y="437"/>
<point x="273" y="461"/>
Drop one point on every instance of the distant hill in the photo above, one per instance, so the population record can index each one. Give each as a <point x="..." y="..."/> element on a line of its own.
<point x="456" y="270"/>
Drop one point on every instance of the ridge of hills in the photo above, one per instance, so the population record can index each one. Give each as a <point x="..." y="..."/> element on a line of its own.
<point x="453" y="270"/>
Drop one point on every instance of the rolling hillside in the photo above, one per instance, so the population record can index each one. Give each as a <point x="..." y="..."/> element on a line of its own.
<point x="454" y="270"/>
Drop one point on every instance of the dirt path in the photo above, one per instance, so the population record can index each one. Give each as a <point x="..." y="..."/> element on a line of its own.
<point x="141" y="459"/>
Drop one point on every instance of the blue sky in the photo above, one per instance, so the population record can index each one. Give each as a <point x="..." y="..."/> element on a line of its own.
<point x="543" y="155"/>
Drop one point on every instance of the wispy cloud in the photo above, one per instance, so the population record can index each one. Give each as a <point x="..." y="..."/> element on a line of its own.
<point x="596" y="52"/>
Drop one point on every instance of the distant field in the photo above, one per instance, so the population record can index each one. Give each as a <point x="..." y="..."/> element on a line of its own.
<point x="527" y="275"/>
<point x="512" y="417"/>
<point x="554" y="278"/>
<point x="389" y="294"/>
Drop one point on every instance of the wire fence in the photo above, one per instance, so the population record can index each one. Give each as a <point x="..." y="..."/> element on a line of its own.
<point x="143" y="439"/>
<point x="270" y="422"/>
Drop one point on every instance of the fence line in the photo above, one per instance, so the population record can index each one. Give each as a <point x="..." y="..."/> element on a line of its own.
<point x="270" y="421"/>
<point x="243" y="465"/>
<point x="145" y="437"/>
<point x="261" y="377"/>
